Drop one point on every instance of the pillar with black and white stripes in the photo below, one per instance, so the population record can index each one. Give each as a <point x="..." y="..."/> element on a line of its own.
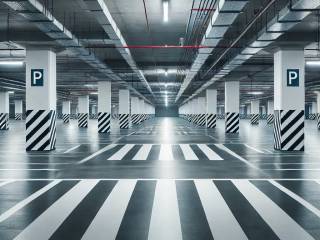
<point x="135" y="110"/>
<point x="270" y="117"/>
<point x="255" y="113"/>
<point x="232" y="100"/>
<point x="318" y="110"/>
<point x="211" y="107"/>
<point x="66" y="109"/>
<point x="104" y="107"/>
<point x="124" y="108"/>
<point x="41" y="100"/>
<point x="83" y="111"/>
<point x="248" y="111"/>
<point x="201" y="108"/>
<point x="4" y="110"/>
<point x="18" y="109"/>
<point x="289" y="100"/>
<point x="314" y="110"/>
<point x="141" y="109"/>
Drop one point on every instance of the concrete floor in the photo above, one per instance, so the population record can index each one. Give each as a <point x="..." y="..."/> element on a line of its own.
<point x="165" y="179"/>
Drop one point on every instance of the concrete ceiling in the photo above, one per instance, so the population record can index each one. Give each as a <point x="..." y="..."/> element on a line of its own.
<point x="76" y="77"/>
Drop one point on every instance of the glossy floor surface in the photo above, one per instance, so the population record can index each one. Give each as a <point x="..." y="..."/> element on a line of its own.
<point x="165" y="179"/>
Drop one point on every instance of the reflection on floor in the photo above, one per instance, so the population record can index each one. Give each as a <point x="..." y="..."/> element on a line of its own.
<point x="164" y="179"/>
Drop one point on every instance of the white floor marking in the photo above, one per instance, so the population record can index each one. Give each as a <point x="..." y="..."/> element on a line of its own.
<point x="253" y="148"/>
<point x="106" y="223"/>
<point x="97" y="153"/>
<point x="166" y="152"/>
<point x="222" y="147"/>
<point x="4" y="216"/>
<point x="71" y="149"/>
<point x="292" y="169"/>
<point x="143" y="152"/>
<point x="5" y="183"/>
<point x="165" y="218"/>
<point x="282" y="224"/>
<point x="29" y="169"/>
<point x="209" y="152"/>
<point x="296" y="197"/>
<point x="188" y="152"/>
<point x="222" y="223"/>
<point x="121" y="152"/>
<point x="48" y="222"/>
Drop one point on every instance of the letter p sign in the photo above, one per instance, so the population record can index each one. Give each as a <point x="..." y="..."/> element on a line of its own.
<point x="36" y="77"/>
<point x="293" y="77"/>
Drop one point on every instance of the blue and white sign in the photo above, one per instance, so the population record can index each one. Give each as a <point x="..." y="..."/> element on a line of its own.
<point x="293" y="77"/>
<point x="36" y="77"/>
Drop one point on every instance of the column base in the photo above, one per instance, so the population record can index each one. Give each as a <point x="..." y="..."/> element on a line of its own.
<point x="4" y="121"/>
<point x="135" y="118"/>
<point x="232" y="122"/>
<point x="124" y="121"/>
<point x="83" y="120"/>
<point x="289" y="130"/>
<point x="312" y="116"/>
<point x="318" y="120"/>
<point x="40" y="130"/>
<point x="18" y="116"/>
<point x="66" y="118"/>
<point x="255" y="119"/>
<point x="211" y="120"/>
<point x="104" y="122"/>
<point x="270" y="118"/>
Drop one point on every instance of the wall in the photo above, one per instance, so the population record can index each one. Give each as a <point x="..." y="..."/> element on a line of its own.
<point x="171" y="111"/>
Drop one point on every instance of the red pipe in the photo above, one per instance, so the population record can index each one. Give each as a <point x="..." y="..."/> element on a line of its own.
<point x="167" y="46"/>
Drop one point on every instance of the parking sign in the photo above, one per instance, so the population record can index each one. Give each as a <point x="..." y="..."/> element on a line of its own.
<point x="293" y="77"/>
<point x="36" y="77"/>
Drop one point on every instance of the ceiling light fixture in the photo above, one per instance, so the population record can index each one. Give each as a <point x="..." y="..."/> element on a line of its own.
<point x="166" y="73"/>
<point x="11" y="92"/>
<point x="11" y="63"/>
<point x="313" y="63"/>
<point x="255" y="93"/>
<point x="165" y="11"/>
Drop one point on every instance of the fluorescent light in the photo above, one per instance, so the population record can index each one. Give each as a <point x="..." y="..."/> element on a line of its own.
<point x="313" y="63"/>
<point x="165" y="11"/>
<point x="94" y="93"/>
<point x="255" y="93"/>
<point x="166" y="73"/>
<point x="11" y="92"/>
<point x="11" y="63"/>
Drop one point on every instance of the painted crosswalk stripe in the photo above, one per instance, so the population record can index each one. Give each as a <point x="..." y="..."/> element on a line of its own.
<point x="166" y="152"/>
<point x="122" y="152"/>
<point x="299" y="199"/>
<point x="209" y="152"/>
<point x="40" y="229"/>
<point x="188" y="152"/>
<point x="165" y="220"/>
<point x="282" y="224"/>
<point x="26" y="201"/>
<point x="218" y="213"/>
<point x="143" y="152"/>
<point x="106" y="223"/>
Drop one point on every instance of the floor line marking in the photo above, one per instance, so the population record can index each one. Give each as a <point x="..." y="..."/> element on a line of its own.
<point x="6" y="182"/>
<point x="143" y="152"/>
<point x="29" y="169"/>
<point x="188" y="152"/>
<point x="224" y="148"/>
<point x="218" y="213"/>
<point x="121" y="152"/>
<point x="273" y="215"/>
<point x="71" y="149"/>
<point x="4" y="216"/>
<point x="97" y="153"/>
<point x="106" y="223"/>
<point x="209" y="152"/>
<point x="166" y="152"/>
<point x="253" y="148"/>
<point x="165" y="220"/>
<point x="296" y="197"/>
<point x="55" y="215"/>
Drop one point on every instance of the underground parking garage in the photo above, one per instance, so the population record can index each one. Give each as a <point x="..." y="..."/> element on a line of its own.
<point x="160" y="119"/>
